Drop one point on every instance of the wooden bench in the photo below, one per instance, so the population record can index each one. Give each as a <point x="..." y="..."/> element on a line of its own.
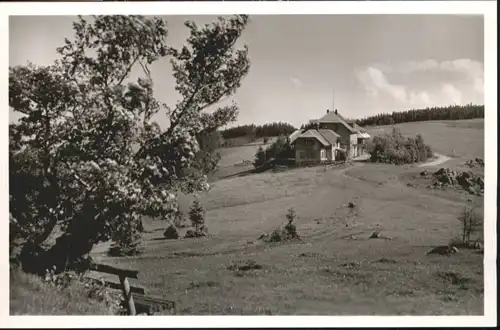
<point x="135" y="298"/>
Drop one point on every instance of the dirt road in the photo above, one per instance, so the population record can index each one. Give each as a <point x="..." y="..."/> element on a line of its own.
<point x="437" y="161"/>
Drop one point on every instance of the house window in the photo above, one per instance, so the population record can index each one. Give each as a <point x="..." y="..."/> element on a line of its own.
<point x="306" y="154"/>
<point x="323" y="154"/>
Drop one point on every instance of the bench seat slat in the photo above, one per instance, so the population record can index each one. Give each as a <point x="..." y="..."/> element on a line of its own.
<point x="115" y="271"/>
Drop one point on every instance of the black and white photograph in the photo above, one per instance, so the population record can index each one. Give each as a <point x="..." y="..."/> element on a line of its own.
<point x="244" y="163"/>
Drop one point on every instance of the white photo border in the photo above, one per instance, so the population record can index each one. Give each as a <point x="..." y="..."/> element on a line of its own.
<point x="486" y="8"/>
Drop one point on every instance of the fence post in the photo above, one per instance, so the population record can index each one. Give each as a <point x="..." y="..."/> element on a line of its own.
<point x="127" y="293"/>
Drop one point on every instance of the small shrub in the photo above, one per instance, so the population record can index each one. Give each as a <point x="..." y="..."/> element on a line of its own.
<point x="178" y="219"/>
<point x="290" y="228"/>
<point x="171" y="232"/>
<point x="266" y="140"/>
<point x="471" y="222"/>
<point x="194" y="233"/>
<point x="117" y="250"/>
<point x="288" y="232"/>
<point x="276" y="235"/>
<point x="59" y="280"/>
<point x="260" y="158"/>
<point x="197" y="214"/>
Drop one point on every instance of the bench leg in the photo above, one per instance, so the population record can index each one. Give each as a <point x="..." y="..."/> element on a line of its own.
<point x="127" y="293"/>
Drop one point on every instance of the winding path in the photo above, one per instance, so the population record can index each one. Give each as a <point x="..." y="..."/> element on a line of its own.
<point x="437" y="161"/>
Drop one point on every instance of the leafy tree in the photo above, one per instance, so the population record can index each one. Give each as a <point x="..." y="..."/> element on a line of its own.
<point x="260" y="157"/>
<point x="207" y="158"/>
<point x="87" y="158"/>
<point x="395" y="148"/>
<point x="279" y="149"/>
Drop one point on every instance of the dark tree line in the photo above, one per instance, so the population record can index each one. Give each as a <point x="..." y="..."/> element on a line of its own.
<point x="452" y="112"/>
<point x="258" y="131"/>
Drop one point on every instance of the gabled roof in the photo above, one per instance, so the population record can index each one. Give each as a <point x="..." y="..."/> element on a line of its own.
<point x="363" y="135"/>
<point x="356" y="126"/>
<point x="331" y="117"/>
<point x="329" y="135"/>
<point x="294" y="135"/>
<point x="358" y="129"/>
<point x="326" y="137"/>
<point x="313" y="134"/>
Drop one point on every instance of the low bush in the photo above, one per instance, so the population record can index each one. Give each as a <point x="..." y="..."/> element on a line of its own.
<point x="286" y="233"/>
<point x="471" y="222"/>
<point x="171" y="233"/>
<point x="396" y="149"/>
<point x="117" y="250"/>
<point x="193" y="232"/>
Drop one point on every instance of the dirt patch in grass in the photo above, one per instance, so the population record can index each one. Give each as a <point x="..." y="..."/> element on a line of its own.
<point x="244" y="265"/>
<point x="209" y="284"/>
<point x="310" y="255"/>
<point x="386" y="261"/>
<point x="454" y="278"/>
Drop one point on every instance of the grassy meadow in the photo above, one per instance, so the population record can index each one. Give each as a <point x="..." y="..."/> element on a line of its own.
<point x="335" y="269"/>
<point x="30" y="295"/>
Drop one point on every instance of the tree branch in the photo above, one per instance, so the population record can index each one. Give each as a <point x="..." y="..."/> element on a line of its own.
<point x="199" y="87"/>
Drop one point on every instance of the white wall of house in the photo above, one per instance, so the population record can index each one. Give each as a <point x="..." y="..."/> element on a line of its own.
<point x="353" y="141"/>
<point x="330" y="153"/>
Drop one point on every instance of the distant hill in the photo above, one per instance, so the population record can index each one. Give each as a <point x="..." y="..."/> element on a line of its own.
<point x="452" y="112"/>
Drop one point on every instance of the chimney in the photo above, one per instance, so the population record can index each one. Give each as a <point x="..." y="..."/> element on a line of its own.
<point x="336" y="112"/>
<point x="327" y="110"/>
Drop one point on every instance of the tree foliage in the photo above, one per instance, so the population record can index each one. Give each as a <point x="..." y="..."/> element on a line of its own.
<point x="279" y="149"/>
<point x="452" y="112"/>
<point x="471" y="222"/>
<point x="260" y="157"/>
<point x="197" y="214"/>
<point x="87" y="157"/>
<point x="207" y="158"/>
<point x="395" y="148"/>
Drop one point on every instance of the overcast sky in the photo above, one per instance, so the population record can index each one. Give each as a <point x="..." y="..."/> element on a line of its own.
<point x="375" y="63"/>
